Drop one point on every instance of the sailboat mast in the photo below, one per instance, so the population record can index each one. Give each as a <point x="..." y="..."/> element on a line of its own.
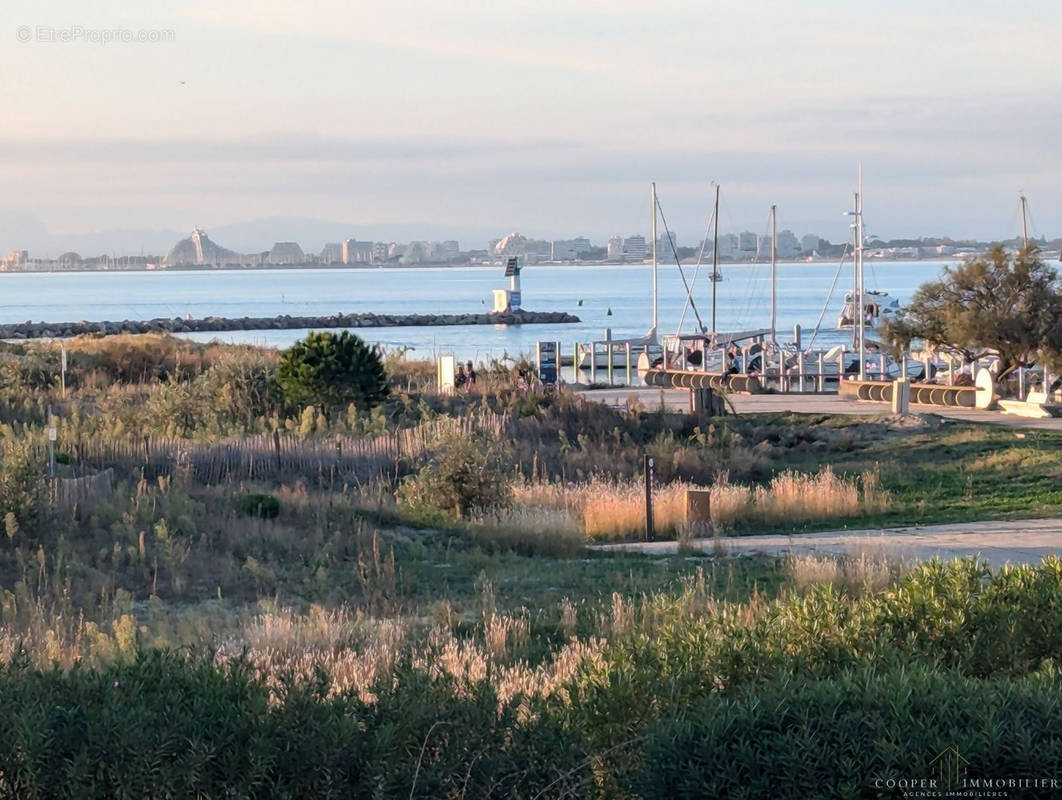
<point x="1024" y="223"/>
<point x="656" y="309"/>
<point x="855" y="271"/>
<point x="715" y="254"/>
<point x="859" y="253"/>
<point x="774" y="276"/>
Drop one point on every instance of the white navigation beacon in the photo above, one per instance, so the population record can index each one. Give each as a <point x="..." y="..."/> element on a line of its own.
<point x="509" y="299"/>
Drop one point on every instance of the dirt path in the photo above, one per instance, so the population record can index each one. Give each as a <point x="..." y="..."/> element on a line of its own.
<point x="1014" y="542"/>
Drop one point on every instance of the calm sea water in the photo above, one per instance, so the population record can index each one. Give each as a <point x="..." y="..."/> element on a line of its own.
<point x="591" y="292"/>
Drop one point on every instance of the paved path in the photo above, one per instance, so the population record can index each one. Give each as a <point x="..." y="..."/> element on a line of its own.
<point x="1014" y="542"/>
<point x="678" y="399"/>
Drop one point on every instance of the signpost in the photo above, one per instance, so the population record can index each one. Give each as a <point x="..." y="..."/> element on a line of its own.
<point x="548" y="362"/>
<point x="53" y="434"/>
<point x="650" y="530"/>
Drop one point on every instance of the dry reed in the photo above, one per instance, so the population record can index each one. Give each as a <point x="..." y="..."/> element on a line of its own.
<point x="616" y="509"/>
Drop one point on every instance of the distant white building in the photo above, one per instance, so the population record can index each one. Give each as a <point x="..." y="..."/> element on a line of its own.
<point x="728" y="245"/>
<point x="416" y="253"/>
<point x="664" y="247"/>
<point x="286" y="253"/>
<point x="788" y="244"/>
<point x="569" y="249"/>
<point x="614" y="250"/>
<point x="379" y="252"/>
<point x="634" y="248"/>
<point x="355" y="252"/>
<point x="446" y="251"/>
<point x="809" y="243"/>
<point x="763" y="248"/>
<point x="332" y="253"/>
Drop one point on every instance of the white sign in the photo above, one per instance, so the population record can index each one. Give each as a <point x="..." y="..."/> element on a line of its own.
<point x="445" y="370"/>
<point x="52" y="435"/>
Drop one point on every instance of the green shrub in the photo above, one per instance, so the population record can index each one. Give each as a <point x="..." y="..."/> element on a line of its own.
<point x="164" y="727"/>
<point x="256" y="504"/>
<point x="21" y="487"/>
<point x="852" y="735"/>
<point x="465" y="473"/>
<point x="331" y="371"/>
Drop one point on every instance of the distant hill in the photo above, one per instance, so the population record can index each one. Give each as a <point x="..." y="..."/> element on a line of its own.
<point x="22" y="231"/>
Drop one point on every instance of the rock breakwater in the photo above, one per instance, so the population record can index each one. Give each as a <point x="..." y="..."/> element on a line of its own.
<point x="54" y="330"/>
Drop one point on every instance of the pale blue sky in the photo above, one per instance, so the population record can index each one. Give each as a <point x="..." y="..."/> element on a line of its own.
<point x="548" y="117"/>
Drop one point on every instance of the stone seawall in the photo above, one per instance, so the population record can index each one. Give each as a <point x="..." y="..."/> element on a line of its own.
<point x="49" y="330"/>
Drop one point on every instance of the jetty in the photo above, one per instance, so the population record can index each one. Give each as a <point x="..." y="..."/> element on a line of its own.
<point x="58" y="330"/>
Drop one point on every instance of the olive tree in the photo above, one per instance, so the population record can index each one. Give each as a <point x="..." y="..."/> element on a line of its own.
<point x="1004" y="304"/>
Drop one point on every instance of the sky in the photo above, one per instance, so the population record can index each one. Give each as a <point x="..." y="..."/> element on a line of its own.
<point x="548" y="117"/>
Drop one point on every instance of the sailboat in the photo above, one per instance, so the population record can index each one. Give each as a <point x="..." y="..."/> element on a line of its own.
<point x="877" y="307"/>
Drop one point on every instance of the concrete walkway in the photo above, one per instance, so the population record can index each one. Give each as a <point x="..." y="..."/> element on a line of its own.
<point x="1013" y="542"/>
<point x="678" y="400"/>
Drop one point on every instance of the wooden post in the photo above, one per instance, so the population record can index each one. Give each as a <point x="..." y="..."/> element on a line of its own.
<point x="628" y="349"/>
<point x="276" y="448"/>
<point x="698" y="508"/>
<point x="822" y="374"/>
<point x="650" y="531"/>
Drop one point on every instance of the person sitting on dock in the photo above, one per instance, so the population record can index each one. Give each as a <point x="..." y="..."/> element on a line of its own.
<point x="471" y="375"/>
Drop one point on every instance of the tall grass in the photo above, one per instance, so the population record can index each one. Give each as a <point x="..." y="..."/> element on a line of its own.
<point x="611" y="509"/>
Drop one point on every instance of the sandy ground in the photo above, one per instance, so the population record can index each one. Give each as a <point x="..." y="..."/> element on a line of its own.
<point x="1014" y="542"/>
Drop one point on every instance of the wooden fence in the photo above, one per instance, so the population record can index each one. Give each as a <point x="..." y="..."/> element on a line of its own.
<point x="84" y="492"/>
<point x="338" y="459"/>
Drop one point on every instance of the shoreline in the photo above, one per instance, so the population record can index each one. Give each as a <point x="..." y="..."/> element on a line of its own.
<point x="368" y="267"/>
<point x="65" y="330"/>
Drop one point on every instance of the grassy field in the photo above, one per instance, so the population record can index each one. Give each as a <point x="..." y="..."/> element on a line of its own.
<point x="949" y="471"/>
<point x="404" y="604"/>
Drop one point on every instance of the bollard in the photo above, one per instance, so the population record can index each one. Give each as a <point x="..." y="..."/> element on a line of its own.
<point x="901" y="396"/>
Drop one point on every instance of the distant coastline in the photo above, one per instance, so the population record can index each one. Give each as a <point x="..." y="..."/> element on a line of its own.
<point x="371" y="267"/>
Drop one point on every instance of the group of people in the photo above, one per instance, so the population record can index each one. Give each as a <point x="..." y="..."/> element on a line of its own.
<point x="465" y="377"/>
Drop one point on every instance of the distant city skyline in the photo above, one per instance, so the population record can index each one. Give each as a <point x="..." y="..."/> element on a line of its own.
<point x="547" y="117"/>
